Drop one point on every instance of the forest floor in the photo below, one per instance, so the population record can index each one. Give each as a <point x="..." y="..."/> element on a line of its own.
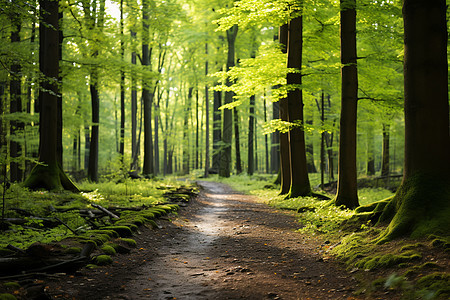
<point x="224" y="245"/>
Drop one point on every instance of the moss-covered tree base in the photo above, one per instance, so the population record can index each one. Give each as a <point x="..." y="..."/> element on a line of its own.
<point x="49" y="177"/>
<point x="420" y="207"/>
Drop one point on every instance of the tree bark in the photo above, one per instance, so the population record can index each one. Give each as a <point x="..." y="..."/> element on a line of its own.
<point x="300" y="185"/>
<point x="251" y="126"/>
<point x="266" y="139"/>
<point x="285" y="167"/>
<point x="217" y="131"/>
<point x="275" y="142"/>
<point x="237" y="141"/>
<point x="421" y="205"/>
<point x="48" y="174"/>
<point x="15" y="90"/>
<point x="370" y="151"/>
<point x="147" y="95"/>
<point x="347" y="194"/>
<point x="385" y="153"/>
<point x="225" y="156"/>
<point x="134" y="149"/>
<point x="206" y="174"/>
<point x="122" y="89"/>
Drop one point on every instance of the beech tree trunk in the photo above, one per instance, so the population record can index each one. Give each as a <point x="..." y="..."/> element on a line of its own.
<point x="237" y="141"/>
<point x="15" y="90"/>
<point x="48" y="174"/>
<point x="385" y="153"/>
<point x="421" y="205"/>
<point x="300" y="185"/>
<point x="347" y="194"/>
<point x="251" y="126"/>
<point x="285" y="166"/>
<point x="147" y="95"/>
<point x="122" y="90"/>
<point x="217" y="131"/>
<point x="275" y="142"/>
<point x="206" y="174"/>
<point x="134" y="148"/>
<point x="225" y="156"/>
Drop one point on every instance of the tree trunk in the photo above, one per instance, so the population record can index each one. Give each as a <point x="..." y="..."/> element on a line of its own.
<point x="275" y="142"/>
<point x="225" y="156"/>
<point x="197" y="131"/>
<point x="217" y="131"/>
<point x="48" y="174"/>
<point x="266" y="141"/>
<point x="94" y="139"/>
<point x="87" y="146"/>
<point x="186" y="156"/>
<point x="134" y="148"/>
<point x="370" y="151"/>
<point x="206" y="174"/>
<point x="300" y="185"/>
<point x="15" y="90"/>
<point x="237" y="141"/>
<point x="156" y="145"/>
<point x="122" y="89"/>
<point x="147" y="96"/>
<point x="385" y="152"/>
<point x="251" y="126"/>
<point x="285" y="167"/>
<point x="421" y="205"/>
<point x="347" y="194"/>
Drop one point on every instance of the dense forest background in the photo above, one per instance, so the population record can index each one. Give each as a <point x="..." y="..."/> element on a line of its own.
<point x="118" y="57"/>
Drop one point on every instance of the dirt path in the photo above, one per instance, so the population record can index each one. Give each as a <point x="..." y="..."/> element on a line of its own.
<point x="223" y="246"/>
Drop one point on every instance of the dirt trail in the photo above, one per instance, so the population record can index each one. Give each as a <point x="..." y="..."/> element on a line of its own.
<point x="225" y="245"/>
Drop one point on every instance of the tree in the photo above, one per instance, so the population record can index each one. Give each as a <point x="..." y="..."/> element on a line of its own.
<point x="225" y="156"/>
<point x="422" y="203"/>
<point x="48" y="173"/>
<point x="299" y="185"/>
<point x="147" y="95"/>
<point x="347" y="194"/>
<point x="251" y="126"/>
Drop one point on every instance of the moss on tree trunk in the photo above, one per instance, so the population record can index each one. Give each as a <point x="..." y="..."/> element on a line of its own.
<point x="49" y="177"/>
<point x="420" y="207"/>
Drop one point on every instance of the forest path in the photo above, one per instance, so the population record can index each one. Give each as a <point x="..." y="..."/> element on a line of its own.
<point x="225" y="245"/>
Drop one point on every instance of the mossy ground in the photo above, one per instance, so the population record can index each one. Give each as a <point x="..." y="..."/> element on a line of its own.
<point x="402" y="268"/>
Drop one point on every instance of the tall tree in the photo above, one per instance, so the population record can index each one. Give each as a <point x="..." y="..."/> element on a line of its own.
<point x="48" y="173"/>
<point x="422" y="203"/>
<point x="251" y="126"/>
<point x="225" y="156"/>
<point x="147" y="95"/>
<point x="15" y="91"/>
<point x="206" y="116"/>
<point x="122" y="88"/>
<point x="300" y="185"/>
<point x="347" y="193"/>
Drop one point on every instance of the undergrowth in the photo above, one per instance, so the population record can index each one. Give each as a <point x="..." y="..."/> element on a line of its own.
<point x="65" y="206"/>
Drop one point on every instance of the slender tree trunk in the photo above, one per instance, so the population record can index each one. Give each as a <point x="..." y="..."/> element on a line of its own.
<point x="266" y="142"/>
<point x="285" y="166"/>
<point x="347" y="194"/>
<point x="385" y="152"/>
<point x="311" y="166"/>
<point x="134" y="103"/>
<point x="322" y="141"/>
<point x="225" y="157"/>
<point x="87" y="146"/>
<point x="15" y="90"/>
<point x="122" y="88"/>
<point x="217" y="131"/>
<point x="251" y="133"/>
<point x="186" y="156"/>
<point x="206" y="174"/>
<point x="94" y="139"/>
<point x="275" y="141"/>
<point x="147" y="96"/>
<point x="237" y="141"/>
<point x="156" y="145"/>
<point x="370" y="151"/>
<point x="300" y="185"/>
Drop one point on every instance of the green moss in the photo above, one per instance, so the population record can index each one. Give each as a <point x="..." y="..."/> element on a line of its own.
<point x="130" y="225"/>
<point x="440" y="243"/>
<point x="103" y="260"/>
<point x="420" y="207"/>
<point x="11" y="285"/>
<point x="129" y="242"/>
<point x="91" y="266"/>
<point x="109" y="250"/>
<point x="73" y="250"/>
<point x="123" y="231"/>
<point x="6" y="296"/>
<point x="387" y="260"/>
<point x="438" y="283"/>
<point x="153" y="224"/>
<point x="410" y="247"/>
<point x="109" y="232"/>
